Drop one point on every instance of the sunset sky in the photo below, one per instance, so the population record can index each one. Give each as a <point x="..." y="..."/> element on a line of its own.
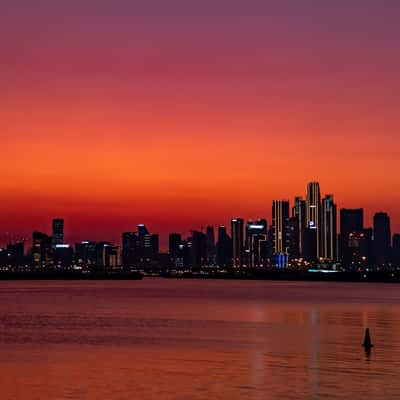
<point x="180" y="113"/>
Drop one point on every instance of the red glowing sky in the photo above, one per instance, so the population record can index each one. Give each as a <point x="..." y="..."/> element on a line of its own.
<point x="180" y="116"/>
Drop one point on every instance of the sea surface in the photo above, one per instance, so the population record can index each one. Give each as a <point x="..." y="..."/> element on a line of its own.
<point x="198" y="339"/>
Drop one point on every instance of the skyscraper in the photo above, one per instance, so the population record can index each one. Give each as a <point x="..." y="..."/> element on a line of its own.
<point x="58" y="231"/>
<point x="237" y="240"/>
<point x="256" y="243"/>
<point x="147" y="247"/>
<point x="41" y="249"/>
<point x="382" y="239"/>
<point x="224" y="248"/>
<point x="142" y="231"/>
<point x="299" y="227"/>
<point x="313" y="216"/>
<point x="329" y="229"/>
<point x="211" y="249"/>
<point x="353" y="239"/>
<point x="198" y="249"/>
<point x="175" y="240"/>
<point x="280" y="231"/>
<point x="129" y="243"/>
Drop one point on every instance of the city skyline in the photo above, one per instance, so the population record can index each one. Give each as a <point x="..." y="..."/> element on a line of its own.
<point x="72" y="237"/>
<point x="320" y="197"/>
<point x="309" y="231"/>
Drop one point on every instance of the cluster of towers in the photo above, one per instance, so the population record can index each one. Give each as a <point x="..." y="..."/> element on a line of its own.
<point x="302" y="235"/>
<point x="307" y="232"/>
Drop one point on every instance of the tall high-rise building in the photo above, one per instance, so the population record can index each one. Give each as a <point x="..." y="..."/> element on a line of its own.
<point x="280" y="230"/>
<point x="155" y="244"/>
<point x="298" y="227"/>
<point x="58" y="231"/>
<point x="256" y="243"/>
<point x="85" y="253"/>
<point x="382" y="238"/>
<point x="352" y="236"/>
<point x="147" y="247"/>
<point x="129" y="243"/>
<point x="198" y="249"/>
<point x="41" y="249"/>
<point x="238" y="241"/>
<point x="313" y="215"/>
<point x="224" y="248"/>
<point x="142" y="231"/>
<point x="175" y="240"/>
<point x="211" y="249"/>
<point x="329" y="229"/>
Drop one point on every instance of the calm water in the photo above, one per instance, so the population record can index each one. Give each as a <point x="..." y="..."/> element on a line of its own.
<point x="168" y="339"/>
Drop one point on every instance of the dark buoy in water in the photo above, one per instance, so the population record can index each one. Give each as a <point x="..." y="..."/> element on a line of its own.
<point x="367" y="341"/>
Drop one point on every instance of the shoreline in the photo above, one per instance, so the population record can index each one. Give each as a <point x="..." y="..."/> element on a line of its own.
<point x="69" y="275"/>
<point x="301" y="276"/>
<point x="271" y="275"/>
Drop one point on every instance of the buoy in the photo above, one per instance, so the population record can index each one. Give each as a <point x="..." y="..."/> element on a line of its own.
<point x="367" y="340"/>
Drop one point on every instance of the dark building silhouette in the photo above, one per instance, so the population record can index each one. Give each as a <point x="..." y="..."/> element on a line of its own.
<point x="142" y="231"/>
<point x="211" y="249"/>
<point x="16" y="254"/>
<point x="199" y="249"/>
<point x="41" y="249"/>
<point x="256" y="243"/>
<point x="175" y="240"/>
<point x="154" y="245"/>
<point x="147" y="247"/>
<point x="313" y="216"/>
<point x="280" y="232"/>
<point x="329" y="229"/>
<point x="63" y="255"/>
<point x="107" y="255"/>
<point x="186" y="256"/>
<point x="358" y="247"/>
<point x="298" y="228"/>
<point x="351" y="222"/>
<point x="129" y="245"/>
<point x="237" y="226"/>
<point x="310" y="245"/>
<point x="396" y="250"/>
<point x="382" y="239"/>
<point x="176" y="250"/>
<point x="101" y="253"/>
<point x="85" y="253"/>
<point x="224" y="248"/>
<point x="58" y="231"/>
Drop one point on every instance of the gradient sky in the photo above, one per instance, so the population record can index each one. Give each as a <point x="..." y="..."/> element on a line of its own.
<point x="182" y="113"/>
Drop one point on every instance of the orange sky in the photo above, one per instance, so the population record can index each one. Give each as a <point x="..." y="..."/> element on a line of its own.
<point x="185" y="117"/>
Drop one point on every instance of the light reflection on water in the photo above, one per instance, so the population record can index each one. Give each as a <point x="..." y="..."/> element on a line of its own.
<point x="170" y="339"/>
